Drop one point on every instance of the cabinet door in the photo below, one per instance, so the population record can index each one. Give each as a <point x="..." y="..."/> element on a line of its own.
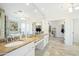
<point x="31" y="52"/>
<point x="46" y="38"/>
<point x="18" y="52"/>
<point x="22" y="51"/>
<point x="41" y="44"/>
<point x="68" y="35"/>
<point x="38" y="42"/>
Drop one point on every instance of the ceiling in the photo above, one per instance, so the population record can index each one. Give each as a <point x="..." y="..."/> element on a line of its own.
<point x="49" y="11"/>
<point x="53" y="11"/>
<point x="12" y="9"/>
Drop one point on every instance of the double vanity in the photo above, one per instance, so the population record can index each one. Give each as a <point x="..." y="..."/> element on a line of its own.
<point x="20" y="37"/>
<point x="25" y="46"/>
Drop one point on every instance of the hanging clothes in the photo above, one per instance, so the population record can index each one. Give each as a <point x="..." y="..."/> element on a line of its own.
<point x="62" y="30"/>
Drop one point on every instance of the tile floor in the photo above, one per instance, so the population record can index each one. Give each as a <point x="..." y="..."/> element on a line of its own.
<point x="56" y="47"/>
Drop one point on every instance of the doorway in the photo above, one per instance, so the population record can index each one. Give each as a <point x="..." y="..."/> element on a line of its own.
<point x="76" y="31"/>
<point x="56" y="30"/>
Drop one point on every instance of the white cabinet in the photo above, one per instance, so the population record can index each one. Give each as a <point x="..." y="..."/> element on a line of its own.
<point x="42" y="43"/>
<point x="68" y="35"/>
<point x="27" y="50"/>
<point x="46" y="38"/>
<point x="31" y="52"/>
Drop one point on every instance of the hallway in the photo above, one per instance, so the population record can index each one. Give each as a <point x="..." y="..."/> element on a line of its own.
<point x="56" y="47"/>
<point x="37" y="22"/>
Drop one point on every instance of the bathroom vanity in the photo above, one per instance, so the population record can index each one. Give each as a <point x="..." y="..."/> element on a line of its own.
<point x="17" y="47"/>
<point x="24" y="47"/>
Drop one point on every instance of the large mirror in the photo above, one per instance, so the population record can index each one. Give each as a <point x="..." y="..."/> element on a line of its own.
<point x="13" y="26"/>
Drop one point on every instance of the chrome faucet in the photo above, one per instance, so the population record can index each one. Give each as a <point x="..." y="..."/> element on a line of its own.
<point x="9" y="39"/>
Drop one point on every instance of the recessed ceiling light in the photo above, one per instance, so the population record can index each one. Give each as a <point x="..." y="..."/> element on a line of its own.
<point x="43" y="8"/>
<point x="27" y="16"/>
<point x="38" y="24"/>
<point x="70" y="10"/>
<point x="27" y="4"/>
<point x="35" y="10"/>
<point x="23" y="18"/>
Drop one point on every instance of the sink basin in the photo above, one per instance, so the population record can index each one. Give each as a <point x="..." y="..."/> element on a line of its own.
<point x="13" y="44"/>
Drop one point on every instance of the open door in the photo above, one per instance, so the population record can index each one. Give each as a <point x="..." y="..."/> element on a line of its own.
<point x="76" y="30"/>
<point x="68" y="32"/>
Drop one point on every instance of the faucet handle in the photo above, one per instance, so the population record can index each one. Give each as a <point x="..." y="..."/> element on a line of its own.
<point x="9" y="39"/>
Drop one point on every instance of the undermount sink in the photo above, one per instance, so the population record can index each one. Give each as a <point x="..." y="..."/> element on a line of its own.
<point x="13" y="44"/>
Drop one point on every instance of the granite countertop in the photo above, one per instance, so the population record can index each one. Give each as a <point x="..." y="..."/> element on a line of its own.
<point x="4" y="50"/>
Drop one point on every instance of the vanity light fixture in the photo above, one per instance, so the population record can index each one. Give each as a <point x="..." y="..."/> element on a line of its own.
<point x="27" y="4"/>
